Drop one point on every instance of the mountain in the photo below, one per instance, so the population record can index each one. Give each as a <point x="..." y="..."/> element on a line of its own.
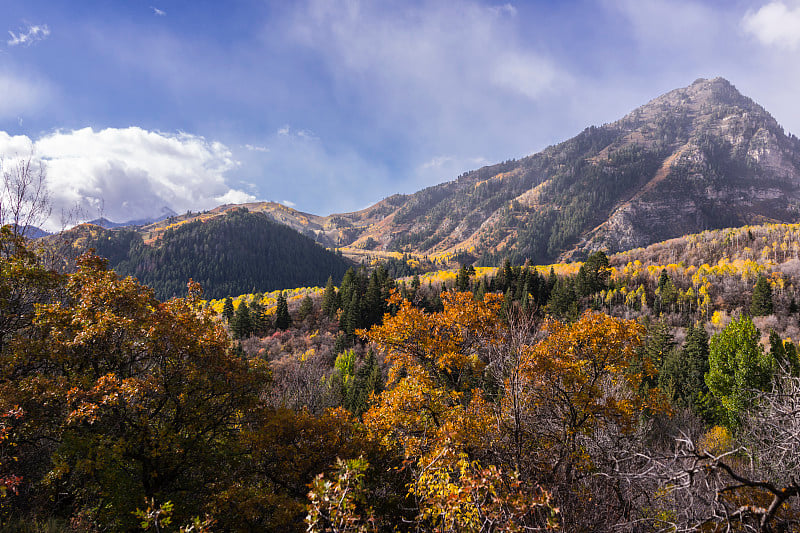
<point x="30" y="232"/>
<point x="238" y="252"/>
<point x="103" y="222"/>
<point x="696" y="158"/>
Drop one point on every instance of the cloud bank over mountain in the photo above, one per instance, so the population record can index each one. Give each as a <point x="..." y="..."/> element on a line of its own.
<point x="129" y="173"/>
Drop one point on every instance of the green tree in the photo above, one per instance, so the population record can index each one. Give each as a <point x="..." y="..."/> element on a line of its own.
<point x="462" y="279"/>
<point x="563" y="302"/>
<point x="593" y="274"/>
<point x="258" y="318"/>
<point x="330" y="301"/>
<point x="738" y="366"/>
<point x="227" y="309"/>
<point x="306" y="308"/>
<point x="761" y="304"/>
<point x="282" y="318"/>
<point x="242" y="324"/>
<point x="682" y="375"/>
<point x="784" y="355"/>
<point x="367" y="380"/>
<point x="666" y="292"/>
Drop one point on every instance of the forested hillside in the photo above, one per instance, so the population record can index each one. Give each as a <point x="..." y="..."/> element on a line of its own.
<point x="232" y="254"/>
<point x="654" y="390"/>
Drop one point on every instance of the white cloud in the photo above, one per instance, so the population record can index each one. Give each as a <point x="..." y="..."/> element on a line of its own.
<point x="775" y="24"/>
<point x="29" y="35"/>
<point x="449" y="162"/>
<point x="21" y="94"/>
<point x="256" y="148"/>
<point x="158" y="12"/>
<point x="524" y="73"/>
<point x="288" y="203"/>
<point x="505" y="8"/>
<point x="130" y="173"/>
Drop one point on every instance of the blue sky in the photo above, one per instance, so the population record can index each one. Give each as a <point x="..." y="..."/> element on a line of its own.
<point x="330" y="106"/>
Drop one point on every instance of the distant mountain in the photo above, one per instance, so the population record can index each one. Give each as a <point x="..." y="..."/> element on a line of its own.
<point x="103" y="222"/>
<point x="696" y="158"/>
<point x="234" y="253"/>
<point x="32" y="232"/>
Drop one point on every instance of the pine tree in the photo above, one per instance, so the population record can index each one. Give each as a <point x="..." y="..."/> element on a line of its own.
<point x="462" y="279"/>
<point x="282" y="318"/>
<point x="563" y="302"/>
<point x="330" y="303"/>
<point x="784" y="354"/>
<point x="373" y="300"/>
<point x="241" y="324"/>
<point x="306" y="308"/>
<point x="258" y="319"/>
<point x="761" y="304"/>
<point x="480" y="291"/>
<point x="368" y="379"/>
<point x="227" y="309"/>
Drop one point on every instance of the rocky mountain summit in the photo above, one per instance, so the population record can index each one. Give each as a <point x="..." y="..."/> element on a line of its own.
<point x="696" y="158"/>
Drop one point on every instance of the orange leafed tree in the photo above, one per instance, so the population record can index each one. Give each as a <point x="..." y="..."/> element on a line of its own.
<point x="435" y="413"/>
<point x="471" y="394"/>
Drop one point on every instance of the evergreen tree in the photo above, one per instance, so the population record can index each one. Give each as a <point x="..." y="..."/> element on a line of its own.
<point x="306" y="308"/>
<point x="761" y="304"/>
<point x="658" y="346"/>
<point x="330" y="302"/>
<point x="666" y="292"/>
<point x="258" y="318"/>
<point x="695" y="353"/>
<point x="368" y="379"/>
<point x="480" y="291"/>
<point x="241" y="324"/>
<point x="682" y="375"/>
<point x="563" y="302"/>
<point x="374" y="302"/>
<point x="415" y="283"/>
<point x="593" y="274"/>
<point x="227" y="309"/>
<point x="784" y="355"/>
<point x="282" y="318"/>
<point x="462" y="279"/>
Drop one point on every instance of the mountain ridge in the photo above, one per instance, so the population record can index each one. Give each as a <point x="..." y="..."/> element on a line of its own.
<point x="695" y="158"/>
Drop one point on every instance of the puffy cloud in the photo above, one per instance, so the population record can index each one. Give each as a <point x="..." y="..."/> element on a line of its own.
<point x="775" y="24"/>
<point x="21" y="94"/>
<point x="158" y="12"/>
<point x="130" y="173"/>
<point x="30" y="35"/>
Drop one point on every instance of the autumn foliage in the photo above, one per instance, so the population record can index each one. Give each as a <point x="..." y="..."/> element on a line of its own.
<point x="495" y="419"/>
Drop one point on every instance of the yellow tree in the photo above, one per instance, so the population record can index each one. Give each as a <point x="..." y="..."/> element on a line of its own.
<point x="435" y="414"/>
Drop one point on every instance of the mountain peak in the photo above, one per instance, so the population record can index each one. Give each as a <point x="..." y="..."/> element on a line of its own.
<point x="708" y="92"/>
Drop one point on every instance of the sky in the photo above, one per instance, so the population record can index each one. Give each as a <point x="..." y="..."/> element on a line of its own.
<point x="330" y="106"/>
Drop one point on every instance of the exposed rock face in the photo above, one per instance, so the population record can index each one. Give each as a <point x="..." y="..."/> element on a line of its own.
<point x="696" y="158"/>
<point x="735" y="166"/>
